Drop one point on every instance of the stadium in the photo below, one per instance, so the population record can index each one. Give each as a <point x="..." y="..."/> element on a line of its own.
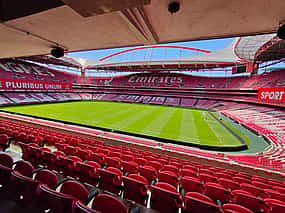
<point x="142" y="106"/>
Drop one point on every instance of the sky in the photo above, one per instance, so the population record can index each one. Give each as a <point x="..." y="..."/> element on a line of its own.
<point x="161" y="53"/>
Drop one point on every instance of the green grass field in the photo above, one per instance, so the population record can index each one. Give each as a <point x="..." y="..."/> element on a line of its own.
<point x="180" y="124"/>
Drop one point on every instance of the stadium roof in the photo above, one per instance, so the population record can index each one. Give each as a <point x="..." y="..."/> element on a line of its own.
<point x="31" y="28"/>
<point x="241" y="51"/>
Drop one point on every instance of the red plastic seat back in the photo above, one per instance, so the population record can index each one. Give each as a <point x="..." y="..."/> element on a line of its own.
<point x="79" y="207"/>
<point x="108" y="204"/>
<point x="191" y="184"/>
<point x="130" y="167"/>
<point x="6" y="160"/>
<point x="24" y="167"/>
<point x="155" y="164"/>
<point x="114" y="162"/>
<point x="148" y="172"/>
<point x="196" y="203"/>
<point x="75" y="189"/>
<point x="230" y="208"/>
<point x="47" y="177"/>
<point x="162" y="194"/>
<point x="248" y="200"/>
<point x="54" y="201"/>
<point x="111" y="180"/>
<point x="276" y="206"/>
<point x="135" y="188"/>
<point x="168" y="177"/>
<point x="229" y="184"/>
<point x="217" y="192"/>
<point x="23" y="186"/>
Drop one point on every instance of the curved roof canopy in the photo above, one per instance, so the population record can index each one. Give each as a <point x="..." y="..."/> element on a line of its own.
<point x="33" y="27"/>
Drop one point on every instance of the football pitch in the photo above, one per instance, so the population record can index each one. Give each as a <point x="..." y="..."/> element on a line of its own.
<point x="179" y="124"/>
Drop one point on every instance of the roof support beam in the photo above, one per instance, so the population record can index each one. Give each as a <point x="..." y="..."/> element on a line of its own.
<point x="140" y="25"/>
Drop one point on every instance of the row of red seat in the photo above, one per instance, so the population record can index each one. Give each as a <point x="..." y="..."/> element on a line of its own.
<point x="15" y="69"/>
<point x="42" y="190"/>
<point x="193" y="178"/>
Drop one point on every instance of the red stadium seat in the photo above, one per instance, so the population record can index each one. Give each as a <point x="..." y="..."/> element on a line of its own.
<point x="229" y="184"/>
<point x="148" y="172"/>
<point x="88" y="172"/>
<point x="75" y="189"/>
<point x="114" y="162"/>
<point x="274" y="206"/>
<point x="23" y="188"/>
<point x="6" y="160"/>
<point x="130" y="167"/>
<point x="24" y="168"/>
<point x="162" y="193"/>
<point x="204" y="178"/>
<point x="79" y="207"/>
<point x="248" y="200"/>
<point x="197" y="203"/>
<point x="135" y="188"/>
<point x="155" y="164"/>
<point x="217" y="193"/>
<point x="108" y="204"/>
<point x="53" y="201"/>
<point x="168" y="177"/>
<point x="190" y="184"/>
<point x="111" y="180"/>
<point x="4" y="142"/>
<point x="188" y="172"/>
<point x="47" y="177"/>
<point x="234" y="208"/>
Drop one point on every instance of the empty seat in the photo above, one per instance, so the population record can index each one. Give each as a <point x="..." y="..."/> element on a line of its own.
<point x="108" y="204"/>
<point x="188" y="172"/>
<point x="75" y="189"/>
<point x="256" y="191"/>
<point x="24" y="167"/>
<point x="4" y="142"/>
<point x="168" y="177"/>
<point x="217" y="193"/>
<point x="148" y="172"/>
<point x="141" y="161"/>
<point x="241" y="180"/>
<point x="248" y="200"/>
<point x="155" y="164"/>
<point x="24" y="188"/>
<point x="204" y="178"/>
<point x="135" y="188"/>
<point x="111" y="180"/>
<point x="235" y="208"/>
<point x="127" y="157"/>
<point x="5" y="175"/>
<point x="196" y="203"/>
<point x="99" y="158"/>
<point x="47" y="177"/>
<point x="275" y="195"/>
<point x="130" y="167"/>
<point x="6" y="160"/>
<point x="275" y="206"/>
<point x="114" y="162"/>
<point x="54" y="201"/>
<point x="84" y="154"/>
<point x="165" y="198"/>
<point x="190" y="184"/>
<point x="223" y="175"/>
<point x="171" y="168"/>
<point x="88" y="172"/>
<point x="229" y="184"/>
<point x="79" y="207"/>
